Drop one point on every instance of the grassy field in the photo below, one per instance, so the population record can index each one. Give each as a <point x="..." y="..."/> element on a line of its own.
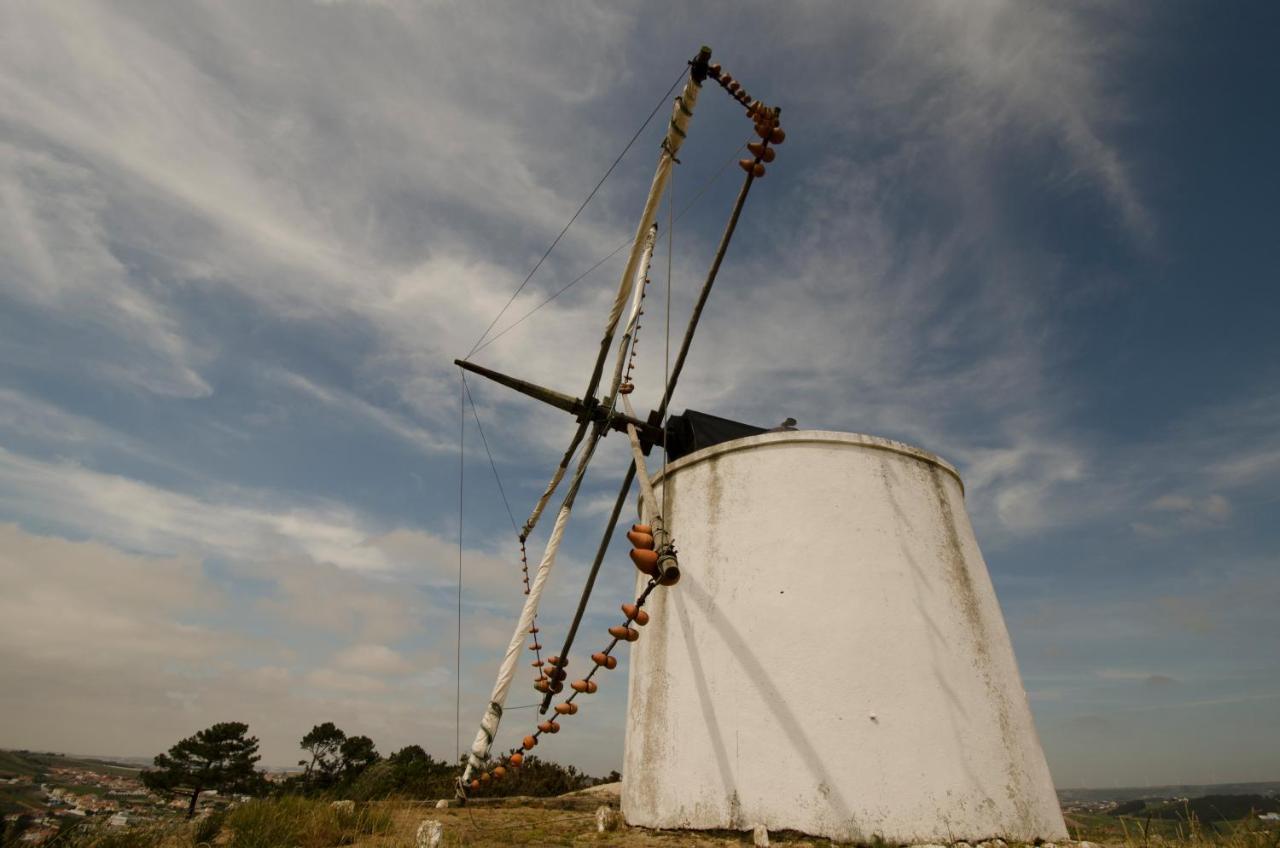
<point x="36" y="763"/>
<point x="309" y="823"/>
<point x="1150" y="832"/>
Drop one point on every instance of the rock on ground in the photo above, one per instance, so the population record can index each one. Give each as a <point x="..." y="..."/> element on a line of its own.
<point x="607" y="819"/>
<point x="430" y="834"/>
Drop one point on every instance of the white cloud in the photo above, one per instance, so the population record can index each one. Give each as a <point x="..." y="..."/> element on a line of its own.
<point x="1213" y="509"/>
<point x="372" y="659"/>
<point x="365" y="413"/>
<point x="104" y="651"/>
<point x="352" y="175"/>
<point x="143" y="517"/>
<point x="55" y="256"/>
<point x="84" y="605"/>
<point x="325" y="678"/>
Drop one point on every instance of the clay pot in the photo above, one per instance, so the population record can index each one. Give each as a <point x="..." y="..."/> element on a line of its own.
<point x="475" y="786"/>
<point x="643" y="541"/>
<point x="542" y="685"/>
<point x="585" y="686"/>
<point x="646" y="561"/>
<point x="530" y="742"/>
<point x="484" y="777"/>
<point x="556" y="687"/>
<point x="601" y="658"/>
<point x="517" y="759"/>
<point x="499" y="773"/>
<point x="548" y="727"/>
<point x="535" y="647"/>
<point x="671" y="576"/>
<point x="567" y="708"/>
<point x="626" y="634"/>
<point x="778" y="136"/>
<point x="557" y="661"/>
<point x="634" y="613"/>
<point x="536" y="663"/>
<point x="642" y="528"/>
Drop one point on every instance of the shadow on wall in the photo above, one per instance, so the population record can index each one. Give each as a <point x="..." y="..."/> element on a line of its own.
<point x="791" y="724"/>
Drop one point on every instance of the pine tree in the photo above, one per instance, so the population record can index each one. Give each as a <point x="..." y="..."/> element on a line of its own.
<point x="324" y="743"/>
<point x="220" y="757"/>
<point x="358" y="753"/>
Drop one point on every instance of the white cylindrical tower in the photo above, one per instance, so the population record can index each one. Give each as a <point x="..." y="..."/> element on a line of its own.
<point x="833" y="660"/>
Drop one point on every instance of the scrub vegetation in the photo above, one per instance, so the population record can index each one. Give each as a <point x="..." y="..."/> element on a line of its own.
<point x="308" y="822"/>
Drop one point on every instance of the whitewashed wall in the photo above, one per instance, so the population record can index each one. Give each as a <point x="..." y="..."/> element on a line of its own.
<point x="834" y="659"/>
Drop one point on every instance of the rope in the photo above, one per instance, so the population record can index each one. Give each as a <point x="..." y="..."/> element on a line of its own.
<point x="462" y="439"/>
<point x="496" y="476"/>
<point x="666" y="357"/>
<point x="524" y="558"/>
<point x="661" y="102"/>
<point x="732" y="160"/>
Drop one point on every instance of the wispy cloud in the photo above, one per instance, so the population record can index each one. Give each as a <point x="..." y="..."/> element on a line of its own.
<point x="241" y="244"/>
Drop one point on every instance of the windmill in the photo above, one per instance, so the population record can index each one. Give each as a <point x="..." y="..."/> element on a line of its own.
<point x="881" y="698"/>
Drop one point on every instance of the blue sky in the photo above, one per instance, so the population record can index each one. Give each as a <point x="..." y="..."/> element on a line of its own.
<point x="240" y="245"/>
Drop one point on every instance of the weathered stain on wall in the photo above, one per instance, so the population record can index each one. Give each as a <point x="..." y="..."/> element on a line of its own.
<point x="834" y="659"/>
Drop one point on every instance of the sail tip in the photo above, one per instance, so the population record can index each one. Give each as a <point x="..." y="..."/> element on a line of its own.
<point x="698" y="65"/>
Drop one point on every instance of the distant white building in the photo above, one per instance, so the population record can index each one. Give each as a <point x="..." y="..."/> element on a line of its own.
<point x="1270" y="816"/>
<point x="118" y="820"/>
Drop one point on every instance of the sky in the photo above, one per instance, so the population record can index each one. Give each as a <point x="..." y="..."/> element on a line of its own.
<point x="241" y="244"/>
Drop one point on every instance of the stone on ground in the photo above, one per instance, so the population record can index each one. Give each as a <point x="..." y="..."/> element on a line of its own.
<point x="430" y="834"/>
<point x="760" y="836"/>
<point x="607" y="819"/>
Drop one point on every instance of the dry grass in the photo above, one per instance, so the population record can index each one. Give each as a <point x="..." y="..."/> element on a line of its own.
<point x="1189" y="832"/>
<point x="566" y="821"/>
<point x="544" y="824"/>
<point x="295" y="822"/>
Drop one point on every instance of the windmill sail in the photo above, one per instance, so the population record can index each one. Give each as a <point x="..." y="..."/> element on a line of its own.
<point x="597" y="416"/>
<point x="632" y="276"/>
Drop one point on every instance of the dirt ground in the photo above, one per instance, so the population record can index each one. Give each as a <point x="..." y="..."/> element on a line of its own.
<point x="558" y="821"/>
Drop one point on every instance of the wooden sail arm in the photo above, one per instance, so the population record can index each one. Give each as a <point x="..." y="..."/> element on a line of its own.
<point x="650" y="432"/>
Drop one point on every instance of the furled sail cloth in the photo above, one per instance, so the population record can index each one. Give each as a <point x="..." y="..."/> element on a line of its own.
<point x="629" y="288"/>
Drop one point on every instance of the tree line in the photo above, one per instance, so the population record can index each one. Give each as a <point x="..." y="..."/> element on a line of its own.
<point x="224" y="757"/>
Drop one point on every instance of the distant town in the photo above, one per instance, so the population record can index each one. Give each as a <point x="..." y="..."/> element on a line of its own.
<point x="45" y="792"/>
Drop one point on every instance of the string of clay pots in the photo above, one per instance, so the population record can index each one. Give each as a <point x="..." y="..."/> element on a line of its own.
<point x="764" y="117"/>
<point x="533" y="626"/>
<point x="641" y="536"/>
